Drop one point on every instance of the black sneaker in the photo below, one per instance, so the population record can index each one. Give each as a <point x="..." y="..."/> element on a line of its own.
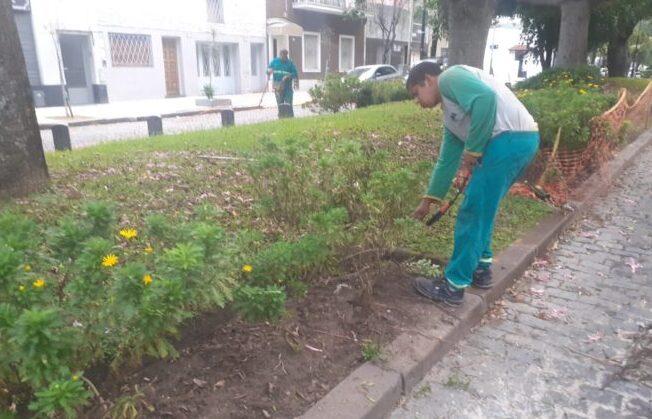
<point x="439" y="291"/>
<point x="482" y="278"/>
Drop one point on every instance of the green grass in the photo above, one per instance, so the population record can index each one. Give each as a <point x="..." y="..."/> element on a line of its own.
<point x="169" y="175"/>
<point x="635" y="86"/>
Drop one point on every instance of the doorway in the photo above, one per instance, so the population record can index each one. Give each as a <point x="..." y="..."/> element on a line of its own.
<point x="171" y="67"/>
<point x="76" y="59"/>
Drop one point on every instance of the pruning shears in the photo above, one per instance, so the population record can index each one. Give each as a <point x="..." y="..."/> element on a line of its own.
<point x="444" y="208"/>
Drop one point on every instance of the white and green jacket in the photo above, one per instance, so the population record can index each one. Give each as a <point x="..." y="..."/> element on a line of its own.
<point x="476" y="109"/>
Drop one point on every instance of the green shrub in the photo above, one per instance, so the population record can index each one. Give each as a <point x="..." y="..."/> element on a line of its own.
<point x="568" y="108"/>
<point x="634" y="86"/>
<point x="582" y="75"/>
<point x="85" y="293"/>
<point x="375" y="93"/>
<point x="335" y="93"/>
<point x="260" y="303"/>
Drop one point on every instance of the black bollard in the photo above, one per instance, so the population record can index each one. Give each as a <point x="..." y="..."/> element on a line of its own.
<point x="61" y="137"/>
<point x="228" y="118"/>
<point x="154" y="125"/>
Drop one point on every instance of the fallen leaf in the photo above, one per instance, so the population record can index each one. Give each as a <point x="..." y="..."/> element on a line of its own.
<point x="266" y="414"/>
<point x="536" y="291"/>
<point x="219" y="384"/>
<point x="200" y="383"/>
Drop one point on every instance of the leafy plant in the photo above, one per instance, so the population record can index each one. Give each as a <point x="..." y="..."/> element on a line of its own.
<point x="335" y="93"/>
<point x="208" y="91"/>
<point x="375" y="93"/>
<point x="568" y="108"/>
<point x="61" y="396"/>
<point x="259" y="303"/>
<point x="424" y="267"/>
<point x="371" y="351"/>
<point x="580" y="75"/>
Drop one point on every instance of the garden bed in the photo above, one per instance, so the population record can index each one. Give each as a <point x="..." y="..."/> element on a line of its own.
<point x="344" y="184"/>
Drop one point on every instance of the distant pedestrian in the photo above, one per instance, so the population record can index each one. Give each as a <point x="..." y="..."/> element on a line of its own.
<point x="489" y="140"/>
<point x="284" y="73"/>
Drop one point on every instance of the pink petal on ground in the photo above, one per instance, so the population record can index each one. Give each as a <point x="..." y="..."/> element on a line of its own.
<point x="633" y="264"/>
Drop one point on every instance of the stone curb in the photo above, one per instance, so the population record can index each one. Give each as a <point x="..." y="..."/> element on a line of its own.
<point x="373" y="391"/>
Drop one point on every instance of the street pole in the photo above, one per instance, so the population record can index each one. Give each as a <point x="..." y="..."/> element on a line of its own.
<point x="422" y="52"/>
<point x="409" y="57"/>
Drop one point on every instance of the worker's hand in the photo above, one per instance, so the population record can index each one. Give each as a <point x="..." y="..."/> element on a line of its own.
<point x="422" y="210"/>
<point x="466" y="168"/>
<point x="462" y="178"/>
<point x="286" y="78"/>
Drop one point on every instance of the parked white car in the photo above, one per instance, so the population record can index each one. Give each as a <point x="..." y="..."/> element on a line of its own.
<point x="379" y="72"/>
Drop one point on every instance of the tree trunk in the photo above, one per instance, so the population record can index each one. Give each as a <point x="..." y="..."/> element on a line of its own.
<point x="617" y="57"/>
<point x="433" y="47"/>
<point x="469" y="22"/>
<point x="573" y="33"/>
<point x="22" y="163"/>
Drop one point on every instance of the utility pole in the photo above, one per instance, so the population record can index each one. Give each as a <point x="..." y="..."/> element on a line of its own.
<point x="422" y="51"/>
<point x="411" y="24"/>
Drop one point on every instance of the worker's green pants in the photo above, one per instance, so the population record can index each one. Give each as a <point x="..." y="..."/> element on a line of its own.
<point x="284" y="97"/>
<point x="504" y="160"/>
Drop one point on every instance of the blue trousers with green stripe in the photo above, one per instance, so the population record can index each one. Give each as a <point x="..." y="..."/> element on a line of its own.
<point x="504" y="160"/>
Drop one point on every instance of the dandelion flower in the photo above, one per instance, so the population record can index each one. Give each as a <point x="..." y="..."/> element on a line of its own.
<point x="110" y="260"/>
<point x="149" y="249"/>
<point x="21" y="288"/>
<point x="39" y="283"/>
<point x="75" y="377"/>
<point x="247" y="269"/>
<point x="27" y="268"/>
<point x="147" y="279"/>
<point x="128" y="233"/>
<point x="582" y="92"/>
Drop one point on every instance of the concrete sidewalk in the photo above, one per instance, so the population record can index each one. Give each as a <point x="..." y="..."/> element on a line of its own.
<point x="138" y="108"/>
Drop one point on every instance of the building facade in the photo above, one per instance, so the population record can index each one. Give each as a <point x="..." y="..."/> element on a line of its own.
<point x="319" y="35"/>
<point x="145" y="49"/>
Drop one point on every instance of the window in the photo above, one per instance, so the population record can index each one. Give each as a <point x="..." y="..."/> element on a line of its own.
<point x="227" y="61"/>
<point x="215" y="11"/>
<point x="347" y="52"/>
<point x="256" y="59"/>
<point x="213" y="60"/>
<point x="311" y="52"/>
<point x="129" y="50"/>
<point x="217" y="67"/>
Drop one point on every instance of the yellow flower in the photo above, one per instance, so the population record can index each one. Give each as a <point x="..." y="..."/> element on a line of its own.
<point x="149" y="249"/>
<point x="247" y="269"/>
<point x="582" y="92"/>
<point x="128" y="233"/>
<point x="39" y="283"/>
<point x="147" y="279"/>
<point x="21" y="288"/>
<point x="110" y="260"/>
<point x="27" y="268"/>
<point x="75" y="378"/>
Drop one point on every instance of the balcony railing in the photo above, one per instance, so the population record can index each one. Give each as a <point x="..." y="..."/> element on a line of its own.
<point x="324" y="6"/>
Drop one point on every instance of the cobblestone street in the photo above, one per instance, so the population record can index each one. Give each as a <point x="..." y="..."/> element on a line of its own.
<point x="573" y="338"/>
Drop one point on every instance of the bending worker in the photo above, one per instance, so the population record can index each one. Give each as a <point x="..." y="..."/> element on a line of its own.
<point x="489" y="140"/>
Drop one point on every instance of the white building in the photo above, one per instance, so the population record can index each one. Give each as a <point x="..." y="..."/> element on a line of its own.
<point x="141" y="49"/>
<point x="505" y="56"/>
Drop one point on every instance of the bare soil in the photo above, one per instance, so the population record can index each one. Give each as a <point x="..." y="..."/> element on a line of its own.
<point x="231" y="369"/>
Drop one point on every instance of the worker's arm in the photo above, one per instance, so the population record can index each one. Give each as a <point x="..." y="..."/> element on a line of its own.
<point x="447" y="164"/>
<point x="442" y="174"/>
<point x="476" y="99"/>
